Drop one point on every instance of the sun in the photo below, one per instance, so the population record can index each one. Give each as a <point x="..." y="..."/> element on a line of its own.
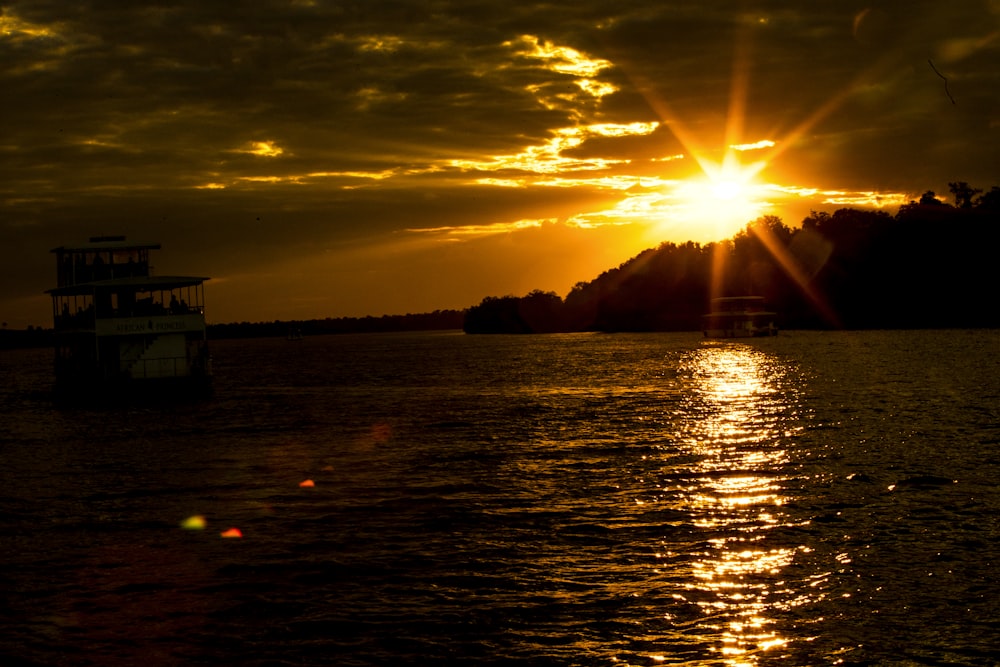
<point x="727" y="190"/>
<point x="722" y="198"/>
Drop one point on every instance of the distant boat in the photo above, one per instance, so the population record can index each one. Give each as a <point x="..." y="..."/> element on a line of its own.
<point x="294" y="334"/>
<point x="739" y="317"/>
<point x="119" y="329"/>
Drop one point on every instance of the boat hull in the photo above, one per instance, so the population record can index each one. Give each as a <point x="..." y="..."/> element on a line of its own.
<point x="739" y="317"/>
<point x="125" y="391"/>
<point x="757" y="332"/>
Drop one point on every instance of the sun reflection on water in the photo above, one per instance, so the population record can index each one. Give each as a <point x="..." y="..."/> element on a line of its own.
<point x="735" y="489"/>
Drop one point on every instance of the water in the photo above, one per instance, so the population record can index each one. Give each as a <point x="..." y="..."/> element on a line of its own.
<point x="812" y="499"/>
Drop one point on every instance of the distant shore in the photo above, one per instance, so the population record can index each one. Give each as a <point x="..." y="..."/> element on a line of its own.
<point x="437" y="320"/>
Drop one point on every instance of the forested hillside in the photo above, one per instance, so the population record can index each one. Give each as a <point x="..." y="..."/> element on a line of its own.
<point x="933" y="264"/>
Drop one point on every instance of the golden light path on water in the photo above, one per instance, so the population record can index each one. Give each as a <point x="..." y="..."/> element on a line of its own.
<point x="735" y="492"/>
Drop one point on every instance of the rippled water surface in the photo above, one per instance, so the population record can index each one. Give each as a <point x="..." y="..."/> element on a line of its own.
<point x="812" y="499"/>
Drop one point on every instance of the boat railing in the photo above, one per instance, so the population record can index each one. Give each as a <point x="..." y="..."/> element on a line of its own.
<point x="82" y="319"/>
<point x="159" y="367"/>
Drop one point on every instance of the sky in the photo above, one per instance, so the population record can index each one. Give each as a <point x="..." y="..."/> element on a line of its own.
<point x="367" y="157"/>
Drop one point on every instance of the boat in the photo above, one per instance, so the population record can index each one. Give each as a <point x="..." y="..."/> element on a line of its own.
<point x="739" y="317"/>
<point x="121" y="330"/>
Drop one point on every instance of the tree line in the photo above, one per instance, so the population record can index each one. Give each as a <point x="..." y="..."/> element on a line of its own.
<point x="931" y="265"/>
<point x="437" y="320"/>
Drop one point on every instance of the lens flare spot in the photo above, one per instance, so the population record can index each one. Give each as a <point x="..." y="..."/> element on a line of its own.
<point x="307" y="484"/>
<point x="381" y="433"/>
<point x="232" y="533"/>
<point x="196" y="522"/>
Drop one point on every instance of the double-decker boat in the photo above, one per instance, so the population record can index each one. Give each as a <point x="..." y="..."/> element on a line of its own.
<point x="739" y="317"/>
<point x="118" y="328"/>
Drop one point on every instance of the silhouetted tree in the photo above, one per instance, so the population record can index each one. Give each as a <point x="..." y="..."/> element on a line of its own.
<point x="930" y="199"/>
<point x="963" y="193"/>
<point x="495" y="315"/>
<point x="990" y="201"/>
<point x="542" y="312"/>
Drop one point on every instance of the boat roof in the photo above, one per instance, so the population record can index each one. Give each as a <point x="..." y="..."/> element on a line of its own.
<point x="137" y="283"/>
<point x="108" y="243"/>
<point x="740" y="313"/>
<point x="738" y="298"/>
